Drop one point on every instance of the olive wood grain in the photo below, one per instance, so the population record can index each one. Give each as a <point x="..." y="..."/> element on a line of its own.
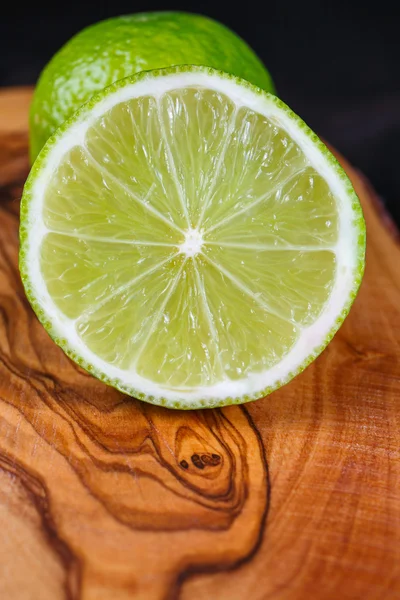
<point x="293" y="497"/>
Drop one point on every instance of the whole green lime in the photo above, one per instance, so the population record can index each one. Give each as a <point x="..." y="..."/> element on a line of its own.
<point x="122" y="46"/>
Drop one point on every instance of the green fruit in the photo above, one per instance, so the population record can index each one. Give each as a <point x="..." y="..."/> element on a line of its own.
<point x="187" y="239"/>
<point x="116" y="48"/>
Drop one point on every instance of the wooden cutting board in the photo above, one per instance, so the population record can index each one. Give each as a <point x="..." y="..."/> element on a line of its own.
<point x="296" y="496"/>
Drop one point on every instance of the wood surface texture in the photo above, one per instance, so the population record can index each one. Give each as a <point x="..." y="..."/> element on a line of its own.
<point x="296" y="496"/>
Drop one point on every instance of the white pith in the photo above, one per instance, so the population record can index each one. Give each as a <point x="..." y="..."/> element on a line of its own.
<point x="310" y="338"/>
<point x="193" y="243"/>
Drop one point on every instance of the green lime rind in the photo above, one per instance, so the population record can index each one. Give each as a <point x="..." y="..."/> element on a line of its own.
<point x="122" y="46"/>
<point x="39" y="165"/>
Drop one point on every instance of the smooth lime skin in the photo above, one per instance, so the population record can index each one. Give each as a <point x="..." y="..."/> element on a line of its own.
<point x="122" y="46"/>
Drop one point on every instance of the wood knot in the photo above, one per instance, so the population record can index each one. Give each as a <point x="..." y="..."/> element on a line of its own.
<point x="205" y="460"/>
<point x="211" y="459"/>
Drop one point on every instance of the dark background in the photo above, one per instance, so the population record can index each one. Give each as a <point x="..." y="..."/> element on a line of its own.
<point x="337" y="65"/>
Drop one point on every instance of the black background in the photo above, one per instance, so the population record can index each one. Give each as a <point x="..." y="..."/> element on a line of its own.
<point x="337" y="65"/>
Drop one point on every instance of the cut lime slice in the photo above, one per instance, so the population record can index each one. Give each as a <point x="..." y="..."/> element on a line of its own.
<point x="187" y="239"/>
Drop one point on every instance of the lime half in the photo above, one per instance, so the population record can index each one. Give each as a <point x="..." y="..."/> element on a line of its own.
<point x="187" y="239"/>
